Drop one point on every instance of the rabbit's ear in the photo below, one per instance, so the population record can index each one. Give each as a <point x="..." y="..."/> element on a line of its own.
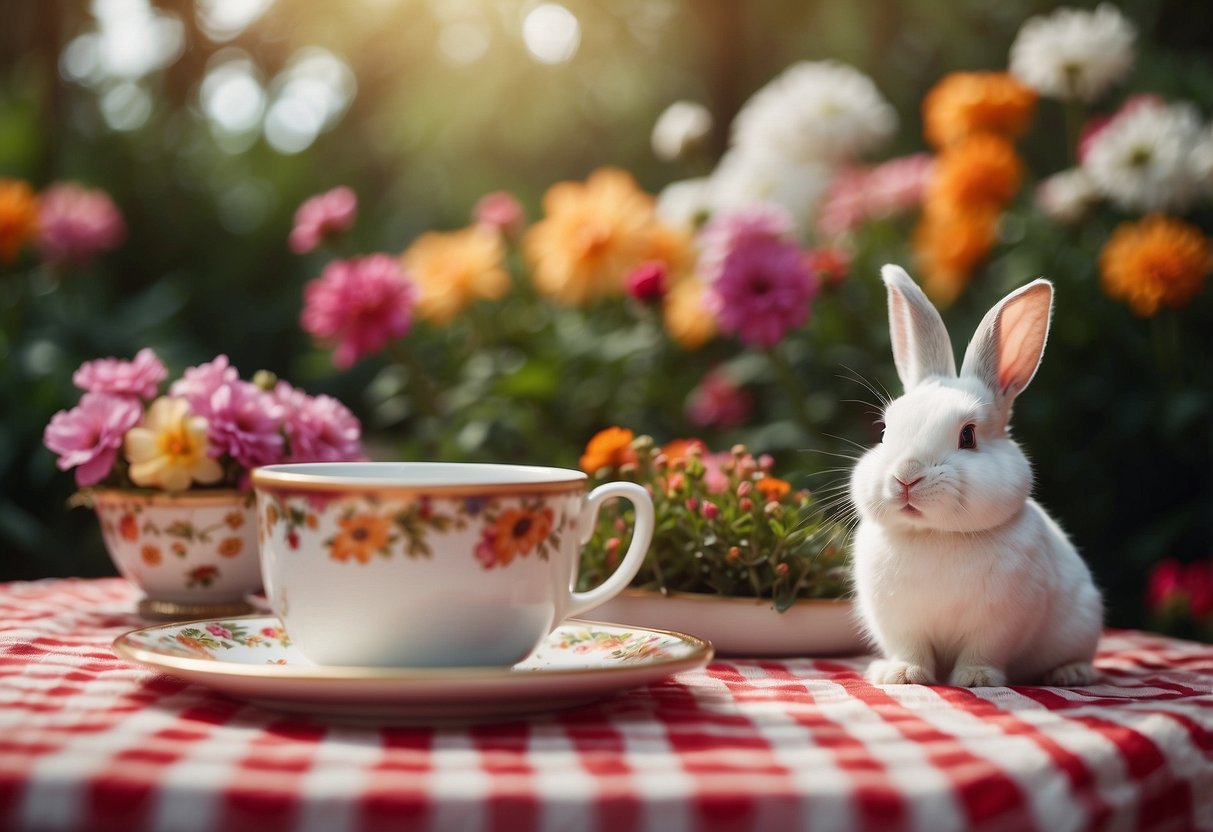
<point x="1007" y="347"/>
<point x="921" y="347"/>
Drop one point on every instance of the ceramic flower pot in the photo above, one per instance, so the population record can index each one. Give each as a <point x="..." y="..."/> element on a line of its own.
<point x="193" y="554"/>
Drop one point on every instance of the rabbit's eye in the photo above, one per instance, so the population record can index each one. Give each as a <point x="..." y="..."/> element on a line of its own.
<point x="968" y="438"/>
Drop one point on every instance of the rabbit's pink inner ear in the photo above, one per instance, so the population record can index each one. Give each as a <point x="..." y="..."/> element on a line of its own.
<point x="1023" y="327"/>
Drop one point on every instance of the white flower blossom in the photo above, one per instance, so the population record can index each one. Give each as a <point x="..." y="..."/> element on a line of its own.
<point x="1074" y="53"/>
<point x="815" y="112"/>
<point x="1067" y="196"/>
<point x="683" y="126"/>
<point x="745" y="177"/>
<point x="686" y="203"/>
<point x="1142" y="159"/>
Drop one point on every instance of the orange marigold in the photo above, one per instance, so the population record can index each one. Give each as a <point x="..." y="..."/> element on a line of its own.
<point x="360" y="537"/>
<point x="688" y="319"/>
<point x="18" y="217"/>
<point x="609" y="448"/>
<point x="453" y="268"/>
<point x="590" y="237"/>
<point x="772" y="488"/>
<point x="1158" y="261"/>
<point x="980" y="170"/>
<point x="949" y="245"/>
<point x="966" y="103"/>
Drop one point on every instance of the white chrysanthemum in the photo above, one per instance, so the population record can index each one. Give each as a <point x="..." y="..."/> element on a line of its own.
<point x="1067" y="196"/>
<point x="747" y="177"/>
<point x="815" y="112"/>
<point x="1142" y="159"/>
<point x="1074" y="53"/>
<point x="686" y="203"/>
<point x="683" y="126"/>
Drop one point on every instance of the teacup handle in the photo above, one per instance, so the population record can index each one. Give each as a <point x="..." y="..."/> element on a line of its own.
<point x="642" y="535"/>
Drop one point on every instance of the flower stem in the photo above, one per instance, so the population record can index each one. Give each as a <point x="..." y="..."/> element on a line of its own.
<point x="423" y="393"/>
<point x="792" y="388"/>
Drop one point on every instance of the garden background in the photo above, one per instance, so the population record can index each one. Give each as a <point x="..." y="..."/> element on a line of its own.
<point x="208" y="123"/>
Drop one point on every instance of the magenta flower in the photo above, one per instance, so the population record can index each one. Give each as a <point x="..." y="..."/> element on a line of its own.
<point x="139" y="377"/>
<point x="648" y="282"/>
<point x="75" y="223"/>
<point x="718" y="402"/>
<point x="501" y="211"/>
<point x="319" y="428"/>
<point x="359" y="305"/>
<point x="198" y="384"/>
<point x="764" y="289"/>
<point x="724" y="234"/>
<point x="88" y="436"/>
<point x="244" y="423"/>
<point x="324" y="215"/>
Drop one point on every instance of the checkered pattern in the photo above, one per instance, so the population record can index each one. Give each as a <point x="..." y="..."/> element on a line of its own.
<point x="90" y="742"/>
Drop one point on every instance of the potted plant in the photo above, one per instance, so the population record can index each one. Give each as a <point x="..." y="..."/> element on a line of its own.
<point x="168" y="475"/>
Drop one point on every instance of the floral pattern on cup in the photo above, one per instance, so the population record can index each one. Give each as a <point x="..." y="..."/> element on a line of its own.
<point x="369" y="527"/>
<point x="197" y="546"/>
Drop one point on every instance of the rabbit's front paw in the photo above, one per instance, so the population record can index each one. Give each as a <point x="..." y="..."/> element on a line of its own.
<point x="977" y="676"/>
<point x="892" y="672"/>
<point x="1071" y="675"/>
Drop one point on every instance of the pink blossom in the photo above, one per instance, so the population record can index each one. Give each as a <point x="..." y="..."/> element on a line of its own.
<point x="139" y="377"/>
<point x="216" y="630"/>
<point x="648" y="282"/>
<point x="709" y="510"/>
<point x="728" y="232"/>
<point x="715" y="479"/>
<point x="198" y="384"/>
<point x="1173" y="584"/>
<point x="244" y="423"/>
<point x="321" y="216"/>
<point x="75" y="223"/>
<point x="88" y="436"/>
<point x="501" y="211"/>
<point x="359" y="305"/>
<point x="859" y="194"/>
<point x="718" y="402"/>
<point x="319" y="429"/>
<point x="764" y="289"/>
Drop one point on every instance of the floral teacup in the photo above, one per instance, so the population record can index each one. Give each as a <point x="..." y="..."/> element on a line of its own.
<point x="194" y="553"/>
<point x="431" y="564"/>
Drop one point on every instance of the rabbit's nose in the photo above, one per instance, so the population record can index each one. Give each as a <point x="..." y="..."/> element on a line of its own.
<point x="906" y="486"/>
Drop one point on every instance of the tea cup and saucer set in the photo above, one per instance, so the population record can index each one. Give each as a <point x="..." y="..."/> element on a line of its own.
<point x="414" y="592"/>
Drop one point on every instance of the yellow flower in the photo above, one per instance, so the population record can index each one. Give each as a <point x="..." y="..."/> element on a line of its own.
<point x="169" y="450"/>
<point x="18" y="217"/>
<point x="688" y="319"/>
<point x="965" y="103"/>
<point x="1156" y="262"/>
<point x="454" y="268"/>
<point x="591" y="236"/>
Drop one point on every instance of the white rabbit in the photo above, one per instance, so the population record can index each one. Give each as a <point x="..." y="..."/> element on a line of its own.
<point x="960" y="577"/>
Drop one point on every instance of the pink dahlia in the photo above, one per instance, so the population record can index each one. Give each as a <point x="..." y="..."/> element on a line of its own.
<point x="764" y="289"/>
<point x="500" y="211"/>
<point x="75" y="223"/>
<point x="359" y="305"/>
<point x="718" y="402"/>
<point x="139" y="377"/>
<point x="727" y="232"/>
<point x="322" y="216"/>
<point x="88" y="436"/>
<point x="318" y="428"/>
<point x="244" y="422"/>
<point x="198" y="384"/>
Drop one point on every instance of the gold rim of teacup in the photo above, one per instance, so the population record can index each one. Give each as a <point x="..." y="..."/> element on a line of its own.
<point x="192" y="497"/>
<point x="565" y="480"/>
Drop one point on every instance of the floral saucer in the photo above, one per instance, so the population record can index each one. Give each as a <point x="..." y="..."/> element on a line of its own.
<point x="252" y="658"/>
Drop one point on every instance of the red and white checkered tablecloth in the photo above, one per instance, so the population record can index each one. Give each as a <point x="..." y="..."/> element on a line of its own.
<point x="90" y="742"/>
